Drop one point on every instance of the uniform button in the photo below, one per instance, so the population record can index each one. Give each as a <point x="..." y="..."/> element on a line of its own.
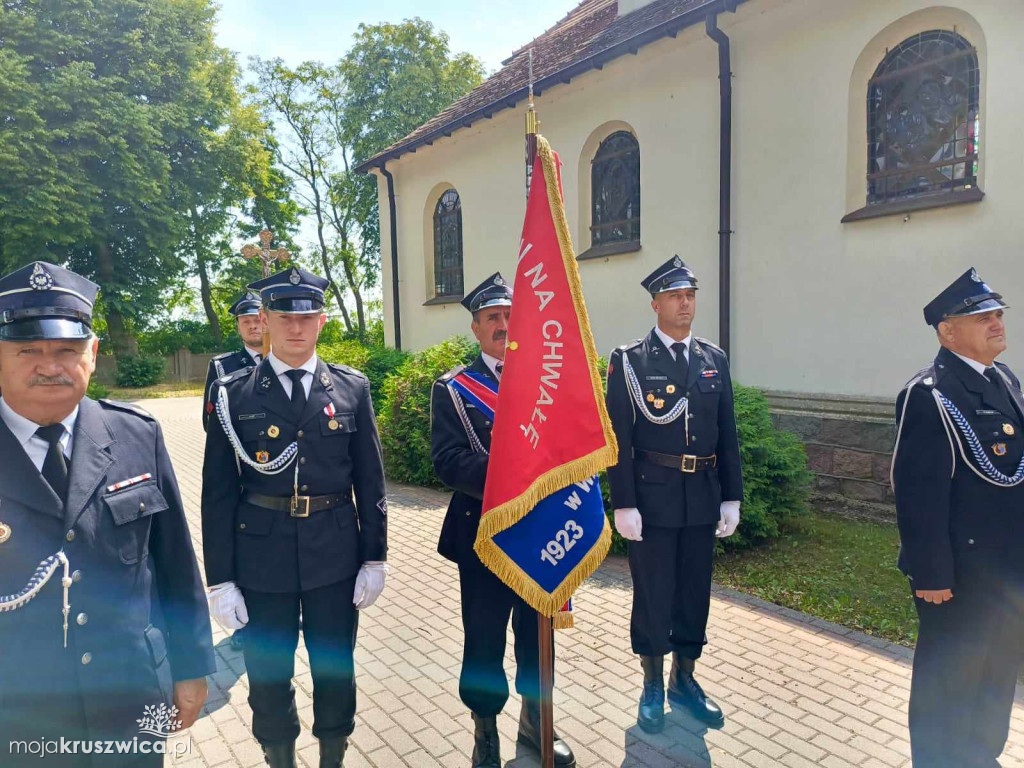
<point x="70" y="535"/>
<point x="970" y="541"/>
<point x="76" y="576"/>
<point x="86" y="658"/>
<point x="304" y="488"/>
<point x="142" y="506"/>
<point x="301" y="434"/>
<point x="241" y="526"/>
<point x="302" y="460"/>
<point x="82" y="619"/>
<point x="467" y="514"/>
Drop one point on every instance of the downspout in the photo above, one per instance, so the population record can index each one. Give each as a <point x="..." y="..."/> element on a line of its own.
<point x="724" y="174"/>
<point x="394" y="255"/>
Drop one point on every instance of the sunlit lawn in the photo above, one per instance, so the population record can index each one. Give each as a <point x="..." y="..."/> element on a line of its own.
<point x="834" y="568"/>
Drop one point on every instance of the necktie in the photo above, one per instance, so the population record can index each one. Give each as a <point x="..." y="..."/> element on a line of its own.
<point x="498" y="368"/>
<point x="997" y="384"/>
<point x="55" y="466"/>
<point x="298" y="391"/>
<point x="681" y="365"/>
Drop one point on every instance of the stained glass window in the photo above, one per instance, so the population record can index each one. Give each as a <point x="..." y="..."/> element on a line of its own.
<point x="615" y="190"/>
<point x="448" y="245"/>
<point x="923" y="120"/>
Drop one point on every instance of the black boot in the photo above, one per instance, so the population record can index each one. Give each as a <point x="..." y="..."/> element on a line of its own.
<point x="332" y="752"/>
<point x="279" y="755"/>
<point x="686" y="692"/>
<point x="651" y="714"/>
<point x="529" y="734"/>
<point x="486" y="742"/>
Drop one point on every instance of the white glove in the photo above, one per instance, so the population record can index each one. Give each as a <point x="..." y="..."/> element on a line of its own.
<point x="370" y="583"/>
<point x="730" y="518"/>
<point x="227" y="606"/>
<point x="628" y="523"/>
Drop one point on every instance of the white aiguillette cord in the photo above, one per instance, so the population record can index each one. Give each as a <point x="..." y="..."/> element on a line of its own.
<point x="44" y="571"/>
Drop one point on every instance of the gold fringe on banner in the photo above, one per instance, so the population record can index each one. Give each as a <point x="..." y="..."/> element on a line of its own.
<point x="511" y="512"/>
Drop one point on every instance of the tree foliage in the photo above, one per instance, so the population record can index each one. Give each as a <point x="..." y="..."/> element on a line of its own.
<point x="395" y="77"/>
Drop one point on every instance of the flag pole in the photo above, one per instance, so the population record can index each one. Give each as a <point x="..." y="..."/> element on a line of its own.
<point x="545" y="630"/>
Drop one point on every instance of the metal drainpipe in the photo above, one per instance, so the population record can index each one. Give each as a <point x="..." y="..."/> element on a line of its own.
<point x="724" y="174"/>
<point x="394" y="255"/>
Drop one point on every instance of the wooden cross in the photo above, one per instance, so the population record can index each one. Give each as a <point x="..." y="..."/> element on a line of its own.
<point x="266" y="256"/>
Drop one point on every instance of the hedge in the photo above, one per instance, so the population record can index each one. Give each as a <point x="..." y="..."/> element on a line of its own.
<point x="139" y="371"/>
<point x="405" y="413"/>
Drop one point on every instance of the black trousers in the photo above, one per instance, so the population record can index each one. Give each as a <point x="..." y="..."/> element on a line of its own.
<point x="486" y="606"/>
<point x="671" y="571"/>
<point x="329" y="625"/>
<point x="969" y="652"/>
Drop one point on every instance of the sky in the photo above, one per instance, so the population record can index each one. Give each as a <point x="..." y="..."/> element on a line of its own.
<point x="300" y="30"/>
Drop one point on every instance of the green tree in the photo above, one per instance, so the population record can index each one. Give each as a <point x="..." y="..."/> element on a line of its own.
<point x="395" y="77"/>
<point x="98" y="109"/>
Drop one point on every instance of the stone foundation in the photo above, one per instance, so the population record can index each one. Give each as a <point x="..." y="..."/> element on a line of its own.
<point x="849" y="444"/>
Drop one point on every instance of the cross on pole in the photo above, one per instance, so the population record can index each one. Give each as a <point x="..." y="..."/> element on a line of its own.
<point x="267" y="257"/>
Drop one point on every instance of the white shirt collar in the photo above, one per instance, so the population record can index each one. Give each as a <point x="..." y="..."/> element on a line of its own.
<point x="25" y="429"/>
<point x="979" y="367"/>
<point x="280" y="367"/>
<point x="668" y="341"/>
<point x="253" y="353"/>
<point x="492" y="363"/>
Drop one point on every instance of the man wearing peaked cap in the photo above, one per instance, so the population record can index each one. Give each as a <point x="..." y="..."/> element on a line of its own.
<point x="295" y="519"/>
<point x="102" y="612"/>
<point x="677" y="485"/>
<point x="460" y="438"/>
<point x="958" y="477"/>
<point x="246" y="312"/>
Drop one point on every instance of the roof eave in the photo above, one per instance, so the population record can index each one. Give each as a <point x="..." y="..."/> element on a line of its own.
<point x="564" y="75"/>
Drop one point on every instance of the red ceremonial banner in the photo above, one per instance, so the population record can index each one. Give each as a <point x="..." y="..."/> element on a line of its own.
<point x="551" y="428"/>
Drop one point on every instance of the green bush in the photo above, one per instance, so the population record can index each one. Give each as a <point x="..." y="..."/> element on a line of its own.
<point x="405" y="410"/>
<point x="376" y="361"/>
<point x="139" y="371"/>
<point x="96" y="390"/>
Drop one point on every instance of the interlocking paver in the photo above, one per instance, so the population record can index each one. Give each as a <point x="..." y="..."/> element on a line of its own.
<point x="798" y="691"/>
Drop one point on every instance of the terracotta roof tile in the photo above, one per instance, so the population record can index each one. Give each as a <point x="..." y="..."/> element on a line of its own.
<point x="587" y="36"/>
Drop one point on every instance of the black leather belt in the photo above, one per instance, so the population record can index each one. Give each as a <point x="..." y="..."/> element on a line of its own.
<point x="684" y="463"/>
<point x="298" y="506"/>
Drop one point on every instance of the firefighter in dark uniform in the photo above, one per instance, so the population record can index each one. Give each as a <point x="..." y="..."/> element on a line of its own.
<point x="294" y="519"/>
<point x="677" y="485"/>
<point x="250" y="328"/>
<point x="460" y="437"/>
<point x="103" y="617"/>
<point x="958" y="475"/>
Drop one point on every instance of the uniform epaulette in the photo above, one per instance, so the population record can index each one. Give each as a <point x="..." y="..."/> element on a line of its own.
<point x="223" y="356"/>
<point x="630" y="344"/>
<point x="452" y="373"/>
<point x="704" y="342"/>
<point x="923" y="378"/>
<point x="341" y="368"/>
<point x="127" y="408"/>
<point x="236" y="375"/>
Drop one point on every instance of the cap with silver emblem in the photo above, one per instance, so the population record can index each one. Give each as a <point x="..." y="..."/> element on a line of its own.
<point x="967" y="295"/>
<point x="293" y="291"/>
<point x="44" y="301"/>
<point x="249" y="304"/>
<point x="673" y="275"/>
<point x="492" y="292"/>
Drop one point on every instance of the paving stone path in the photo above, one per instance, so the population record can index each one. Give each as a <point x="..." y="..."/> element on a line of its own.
<point x="798" y="692"/>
